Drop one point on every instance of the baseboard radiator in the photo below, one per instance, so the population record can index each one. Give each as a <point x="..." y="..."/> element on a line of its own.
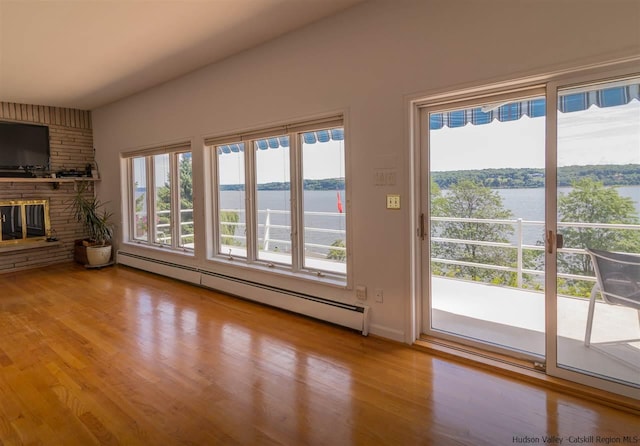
<point x="346" y="315"/>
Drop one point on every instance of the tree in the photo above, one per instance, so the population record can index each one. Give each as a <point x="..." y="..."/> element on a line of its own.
<point x="185" y="174"/>
<point x="470" y="200"/>
<point x="228" y="220"/>
<point x="163" y="202"/>
<point x="437" y="200"/>
<point x="141" y="219"/>
<point x="592" y="202"/>
<point x="186" y="182"/>
<point x="337" y="254"/>
<point x="437" y="209"/>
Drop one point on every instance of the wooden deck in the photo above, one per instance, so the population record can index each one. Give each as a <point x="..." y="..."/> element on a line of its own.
<point x="515" y="318"/>
<point x="118" y="356"/>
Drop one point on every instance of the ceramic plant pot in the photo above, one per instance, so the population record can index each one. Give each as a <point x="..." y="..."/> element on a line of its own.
<point x="98" y="255"/>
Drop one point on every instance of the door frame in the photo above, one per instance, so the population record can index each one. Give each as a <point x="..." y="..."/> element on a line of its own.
<point x="420" y="291"/>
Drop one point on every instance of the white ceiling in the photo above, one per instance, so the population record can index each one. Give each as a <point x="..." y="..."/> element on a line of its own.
<point x="87" y="53"/>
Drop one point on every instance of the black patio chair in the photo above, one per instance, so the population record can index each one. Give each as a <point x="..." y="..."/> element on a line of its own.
<point x="617" y="281"/>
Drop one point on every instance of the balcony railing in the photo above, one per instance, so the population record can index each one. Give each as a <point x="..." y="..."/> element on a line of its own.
<point x="268" y="238"/>
<point x="268" y="230"/>
<point x="163" y="230"/>
<point x="519" y="246"/>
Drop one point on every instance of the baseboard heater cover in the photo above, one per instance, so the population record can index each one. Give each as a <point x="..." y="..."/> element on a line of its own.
<point x="346" y="315"/>
<point x="181" y="272"/>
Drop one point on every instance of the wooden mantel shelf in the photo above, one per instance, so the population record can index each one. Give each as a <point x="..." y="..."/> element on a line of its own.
<point x="46" y="180"/>
<point x="29" y="245"/>
<point x="55" y="182"/>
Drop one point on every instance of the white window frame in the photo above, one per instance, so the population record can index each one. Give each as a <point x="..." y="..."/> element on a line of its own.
<point x="173" y="151"/>
<point x="294" y="132"/>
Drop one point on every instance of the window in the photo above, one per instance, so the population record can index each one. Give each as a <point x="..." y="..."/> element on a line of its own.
<point x="161" y="182"/>
<point x="281" y="198"/>
<point x="162" y="199"/>
<point x="232" y="227"/>
<point x="273" y="200"/>
<point x="185" y="200"/>
<point x="139" y="194"/>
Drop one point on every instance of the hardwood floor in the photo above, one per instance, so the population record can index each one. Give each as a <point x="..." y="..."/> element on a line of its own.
<point x="118" y="356"/>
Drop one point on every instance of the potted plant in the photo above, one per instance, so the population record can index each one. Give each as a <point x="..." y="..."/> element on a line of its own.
<point x="95" y="249"/>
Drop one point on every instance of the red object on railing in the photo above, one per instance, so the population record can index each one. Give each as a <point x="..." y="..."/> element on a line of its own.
<point x="339" y="202"/>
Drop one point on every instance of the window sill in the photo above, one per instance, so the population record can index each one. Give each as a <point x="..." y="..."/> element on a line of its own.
<point x="310" y="276"/>
<point x="161" y="248"/>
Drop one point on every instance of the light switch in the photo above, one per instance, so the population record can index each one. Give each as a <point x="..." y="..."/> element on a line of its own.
<point x="393" y="201"/>
<point x="390" y="178"/>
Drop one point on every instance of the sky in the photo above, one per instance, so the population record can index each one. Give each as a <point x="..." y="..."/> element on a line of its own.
<point x="320" y="160"/>
<point x="608" y="135"/>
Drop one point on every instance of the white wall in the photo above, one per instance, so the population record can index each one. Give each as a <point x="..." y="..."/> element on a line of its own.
<point x="367" y="61"/>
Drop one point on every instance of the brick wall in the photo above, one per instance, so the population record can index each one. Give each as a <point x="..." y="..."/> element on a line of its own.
<point x="71" y="143"/>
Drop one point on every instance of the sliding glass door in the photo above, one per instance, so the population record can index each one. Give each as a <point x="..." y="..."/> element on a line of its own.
<point x="598" y="219"/>
<point x="484" y="210"/>
<point x="530" y="226"/>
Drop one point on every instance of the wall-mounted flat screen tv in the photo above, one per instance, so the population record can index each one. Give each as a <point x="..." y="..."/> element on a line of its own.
<point x="23" y="147"/>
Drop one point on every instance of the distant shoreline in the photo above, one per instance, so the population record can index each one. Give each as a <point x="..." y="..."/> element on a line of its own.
<point x="531" y="178"/>
<point x="336" y="184"/>
<point x="505" y="178"/>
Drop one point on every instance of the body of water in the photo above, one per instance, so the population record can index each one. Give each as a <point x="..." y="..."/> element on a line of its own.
<point x="278" y="200"/>
<point x="527" y="204"/>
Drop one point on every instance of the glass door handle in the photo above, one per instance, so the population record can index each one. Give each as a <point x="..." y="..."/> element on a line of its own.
<point x="558" y="241"/>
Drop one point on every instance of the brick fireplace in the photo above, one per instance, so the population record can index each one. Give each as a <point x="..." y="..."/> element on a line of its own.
<point x="71" y="145"/>
<point x="24" y="221"/>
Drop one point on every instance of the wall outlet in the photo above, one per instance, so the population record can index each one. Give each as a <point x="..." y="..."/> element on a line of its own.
<point x="379" y="295"/>
<point x="393" y="201"/>
<point x="361" y="292"/>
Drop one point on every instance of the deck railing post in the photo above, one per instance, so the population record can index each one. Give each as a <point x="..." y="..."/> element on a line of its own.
<point x="520" y="236"/>
<point x="267" y="223"/>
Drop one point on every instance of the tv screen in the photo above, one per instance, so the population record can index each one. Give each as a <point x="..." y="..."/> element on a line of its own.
<point x="24" y="146"/>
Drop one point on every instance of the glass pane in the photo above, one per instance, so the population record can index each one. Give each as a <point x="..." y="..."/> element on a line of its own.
<point x="35" y="220"/>
<point x="141" y="228"/>
<point x="599" y="209"/>
<point x="273" y="199"/>
<point x="325" y="236"/>
<point x="162" y="188"/>
<point x="11" y="222"/>
<point x="185" y="198"/>
<point x="486" y="202"/>
<point x="232" y="229"/>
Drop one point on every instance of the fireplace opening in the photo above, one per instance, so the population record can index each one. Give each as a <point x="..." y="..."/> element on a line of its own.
<point x="24" y="221"/>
